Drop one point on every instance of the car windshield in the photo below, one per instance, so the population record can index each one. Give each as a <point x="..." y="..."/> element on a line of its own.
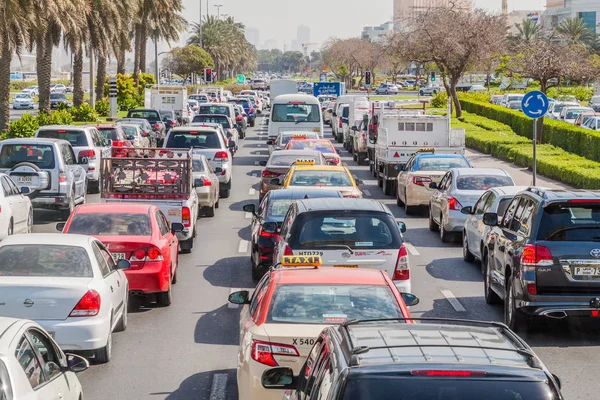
<point x="200" y="139"/>
<point x="324" y="146"/>
<point x="145" y="114"/>
<point x="296" y="113"/>
<point x="112" y="133"/>
<point x="22" y="96"/>
<point x="570" y="222"/>
<point x="57" y="96"/>
<point x="572" y="114"/>
<point x="482" y="182"/>
<point x="222" y="110"/>
<point x="129" y="131"/>
<point x="76" y="138"/>
<point x="441" y="164"/>
<point x="285" y="160"/>
<point x="40" y="155"/>
<point x="320" y="178"/>
<point x="48" y="260"/>
<point x="386" y="386"/>
<point x="362" y="230"/>
<point x="213" y="119"/>
<point x="106" y="224"/>
<point x="166" y="114"/>
<point x="331" y="304"/>
<point x="558" y="107"/>
<point x="243" y="102"/>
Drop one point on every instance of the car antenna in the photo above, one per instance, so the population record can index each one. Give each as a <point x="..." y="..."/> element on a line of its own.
<point x="306" y="196"/>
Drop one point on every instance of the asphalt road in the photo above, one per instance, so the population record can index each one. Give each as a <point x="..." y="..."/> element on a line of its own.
<point x="16" y="114"/>
<point x="188" y="350"/>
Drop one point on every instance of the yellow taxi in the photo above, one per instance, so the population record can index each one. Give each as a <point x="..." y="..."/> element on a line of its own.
<point x="293" y="303"/>
<point x="328" y="177"/>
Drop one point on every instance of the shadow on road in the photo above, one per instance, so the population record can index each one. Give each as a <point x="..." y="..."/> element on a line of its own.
<point x="220" y="327"/>
<point x="231" y="272"/>
<point x="200" y="385"/>
<point x="454" y="269"/>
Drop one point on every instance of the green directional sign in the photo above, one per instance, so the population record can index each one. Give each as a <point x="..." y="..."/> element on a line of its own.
<point x="241" y="78"/>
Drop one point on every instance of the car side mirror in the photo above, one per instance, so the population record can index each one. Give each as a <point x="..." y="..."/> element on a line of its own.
<point x="279" y="378"/>
<point x="433" y="185"/>
<point x="25" y="190"/>
<point x="76" y="363"/>
<point x="275" y="182"/>
<point x="410" y="299"/>
<point x="262" y="163"/>
<point x="250" y="208"/>
<point x="490" y="219"/>
<point x="60" y="226"/>
<point x="176" y="227"/>
<point x="466" y="210"/>
<point x="401" y="226"/>
<point x="270" y="143"/>
<point x="241" y="297"/>
<point x="269" y="227"/>
<point x="123" y="264"/>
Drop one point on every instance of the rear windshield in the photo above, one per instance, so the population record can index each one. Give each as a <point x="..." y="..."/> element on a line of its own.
<point x="320" y="178"/>
<point x="57" y="96"/>
<point x="111" y="224"/>
<point x="441" y="164"/>
<point x="319" y="304"/>
<point x="324" y="146"/>
<point x="76" y="138"/>
<point x="571" y="222"/>
<point x="145" y="114"/>
<point x="482" y="182"/>
<point x="572" y="114"/>
<point x="243" y="102"/>
<point x="129" y="130"/>
<point x="186" y="140"/>
<point x="357" y="230"/>
<point x="223" y="110"/>
<point x="296" y="113"/>
<point x="112" y="133"/>
<point x="286" y="160"/>
<point x="423" y="388"/>
<point x="285" y="138"/>
<point x="40" y="155"/>
<point x="214" y="119"/>
<point x="45" y="260"/>
<point x="197" y="164"/>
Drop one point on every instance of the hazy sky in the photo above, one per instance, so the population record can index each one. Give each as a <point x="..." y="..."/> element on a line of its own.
<point x="278" y="19"/>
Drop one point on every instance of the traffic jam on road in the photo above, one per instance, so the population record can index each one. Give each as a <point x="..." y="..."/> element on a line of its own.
<point x="136" y="225"/>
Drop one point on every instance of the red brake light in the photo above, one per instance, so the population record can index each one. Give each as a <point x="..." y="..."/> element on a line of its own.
<point x="335" y="160"/>
<point x="61" y="131"/>
<point x="87" y="153"/>
<point x="532" y="289"/>
<point x="269" y="174"/>
<point x="454" y="204"/>
<point x="402" y="271"/>
<point x="139" y="254"/>
<point x="146" y="254"/>
<point x="88" y="306"/>
<point x="263" y="352"/>
<point x="288" y="251"/>
<point x="250" y="109"/>
<point x="457" y="373"/>
<point x="536" y="255"/>
<point x="584" y="201"/>
<point x="340" y="125"/>
<point x="186" y="217"/>
<point x="238" y="118"/>
<point x="194" y="132"/>
<point x="221" y="155"/>
<point x="420" y="180"/>
<point x="118" y="143"/>
<point x="266" y="234"/>
<point x="156" y="125"/>
<point x="206" y="182"/>
<point x="153" y="253"/>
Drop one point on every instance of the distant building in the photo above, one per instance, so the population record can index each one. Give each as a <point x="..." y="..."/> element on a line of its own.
<point x="252" y="36"/>
<point x="559" y="10"/>
<point x="517" y="16"/>
<point x="271" y="44"/>
<point x="406" y="12"/>
<point x="296" y="45"/>
<point x="377" y="33"/>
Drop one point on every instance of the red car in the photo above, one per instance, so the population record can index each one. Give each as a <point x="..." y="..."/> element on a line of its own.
<point x="139" y="233"/>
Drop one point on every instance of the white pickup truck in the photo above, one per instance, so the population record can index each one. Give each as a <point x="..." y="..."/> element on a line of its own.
<point x="162" y="177"/>
<point x="401" y="133"/>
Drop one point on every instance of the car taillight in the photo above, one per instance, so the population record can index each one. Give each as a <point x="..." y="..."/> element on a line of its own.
<point x="186" y="217"/>
<point x="87" y="153"/>
<point x="532" y="257"/>
<point x="251" y="110"/>
<point x="172" y="123"/>
<point x="454" y="204"/>
<point x="221" y="155"/>
<point x="263" y="352"/>
<point x="62" y="177"/>
<point x="269" y="174"/>
<point x="238" y="118"/>
<point x="335" y="160"/>
<point x="266" y="234"/>
<point x="340" y="124"/>
<point x="420" y="180"/>
<point x="448" y="373"/>
<point x="205" y="182"/>
<point x="146" y="254"/>
<point x="88" y="306"/>
<point x="156" y="126"/>
<point x="288" y="251"/>
<point x="118" y="143"/>
<point x="402" y="271"/>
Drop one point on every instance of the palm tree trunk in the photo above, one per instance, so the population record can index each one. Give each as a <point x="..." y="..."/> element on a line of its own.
<point x="5" y="58"/>
<point x="121" y="59"/>
<point x="143" y="45"/>
<point x="136" y="60"/>
<point x="100" y="77"/>
<point x="44" y="68"/>
<point x="78" y="76"/>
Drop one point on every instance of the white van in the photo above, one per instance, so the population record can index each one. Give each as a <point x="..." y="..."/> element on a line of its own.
<point x="295" y="112"/>
<point x="336" y="122"/>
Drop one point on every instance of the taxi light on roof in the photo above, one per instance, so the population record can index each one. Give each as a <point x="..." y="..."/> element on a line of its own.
<point x="305" y="162"/>
<point x="299" y="136"/>
<point x="427" y="150"/>
<point x="301" y="261"/>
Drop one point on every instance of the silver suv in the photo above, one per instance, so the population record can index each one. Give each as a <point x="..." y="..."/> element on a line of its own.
<point x="48" y="169"/>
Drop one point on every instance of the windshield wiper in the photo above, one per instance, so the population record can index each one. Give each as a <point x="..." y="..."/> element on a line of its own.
<point x="572" y="228"/>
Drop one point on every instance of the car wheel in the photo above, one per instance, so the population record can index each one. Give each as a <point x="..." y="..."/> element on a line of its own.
<point x="103" y="355"/>
<point x="467" y="255"/>
<point x="408" y="210"/>
<point x="122" y="324"/>
<point x="488" y="293"/>
<point x="421" y="92"/>
<point x="30" y="221"/>
<point x="209" y="211"/>
<point x="399" y="202"/>
<point x="217" y="202"/>
<point x="444" y="235"/>
<point x="11" y="228"/>
<point x="512" y="316"/>
<point x="252" y="123"/>
<point x="163" y="299"/>
<point x="256" y="272"/>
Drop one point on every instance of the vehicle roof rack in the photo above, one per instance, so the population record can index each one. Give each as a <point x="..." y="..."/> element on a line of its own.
<point x="536" y="190"/>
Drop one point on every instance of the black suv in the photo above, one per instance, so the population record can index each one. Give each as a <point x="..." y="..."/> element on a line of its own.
<point x="429" y="360"/>
<point x="543" y="256"/>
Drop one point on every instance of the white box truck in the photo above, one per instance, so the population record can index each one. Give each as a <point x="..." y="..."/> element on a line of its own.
<point x="282" y="86"/>
<point x="172" y="98"/>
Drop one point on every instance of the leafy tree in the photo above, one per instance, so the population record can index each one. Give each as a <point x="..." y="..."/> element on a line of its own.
<point x="576" y="30"/>
<point x="528" y="29"/>
<point x="188" y="59"/>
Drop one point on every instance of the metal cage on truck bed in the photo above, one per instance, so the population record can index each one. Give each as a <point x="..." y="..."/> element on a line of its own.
<point x="146" y="174"/>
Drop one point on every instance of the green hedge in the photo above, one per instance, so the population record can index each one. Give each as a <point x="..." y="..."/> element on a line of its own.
<point x="500" y="141"/>
<point x="583" y="142"/>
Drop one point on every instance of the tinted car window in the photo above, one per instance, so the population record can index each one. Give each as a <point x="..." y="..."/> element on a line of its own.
<point x="76" y="138"/>
<point x="40" y="155"/>
<point x="223" y="110"/>
<point x="357" y="230"/>
<point x="296" y="113"/>
<point x="114" y="133"/>
<point x="214" y="119"/>
<point x="320" y="178"/>
<point x="570" y="222"/>
<point x="150" y="115"/>
<point x="481" y="182"/>
<point x="45" y="260"/>
<point x="286" y="160"/>
<point x="111" y="224"/>
<point x="441" y="164"/>
<point x="185" y="140"/>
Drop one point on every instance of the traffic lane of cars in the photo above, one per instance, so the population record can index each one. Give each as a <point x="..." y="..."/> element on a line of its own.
<point x="446" y="285"/>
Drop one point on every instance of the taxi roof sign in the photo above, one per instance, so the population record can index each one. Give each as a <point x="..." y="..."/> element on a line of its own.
<point x="426" y="150"/>
<point x="299" y="136"/>
<point x="301" y="261"/>
<point x="304" y="161"/>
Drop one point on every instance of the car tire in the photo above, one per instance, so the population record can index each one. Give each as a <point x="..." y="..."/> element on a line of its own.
<point x="122" y="324"/>
<point x="408" y="210"/>
<point x="467" y="255"/>
<point x="174" y="278"/>
<point x="379" y="181"/>
<point x="433" y="226"/>
<point x="224" y="193"/>
<point x="444" y="234"/>
<point x="217" y="202"/>
<point x="389" y="187"/>
<point x="252" y="123"/>
<point x="256" y="272"/>
<point x="512" y="316"/>
<point x="11" y="228"/>
<point x="209" y="211"/>
<point x="399" y="202"/>
<point x="361" y="158"/>
<point x="488" y="293"/>
<point x="103" y="355"/>
<point x="421" y="92"/>
<point x="30" y="221"/>
<point x="354" y="157"/>
<point x="164" y="299"/>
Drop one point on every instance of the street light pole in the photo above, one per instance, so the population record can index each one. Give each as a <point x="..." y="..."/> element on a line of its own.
<point x="156" y="60"/>
<point x="200" y="23"/>
<point x="218" y="10"/>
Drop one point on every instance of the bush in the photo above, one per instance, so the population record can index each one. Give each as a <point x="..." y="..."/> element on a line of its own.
<point x="103" y="107"/>
<point x="476" y="96"/>
<point x="125" y="92"/>
<point x="18" y="86"/>
<point x="85" y="113"/>
<point x="580" y="92"/>
<point x="440" y="100"/>
<point x="26" y="126"/>
<point x="58" y="117"/>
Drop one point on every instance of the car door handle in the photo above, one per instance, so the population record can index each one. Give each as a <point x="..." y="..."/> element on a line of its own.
<point x="501" y="247"/>
<point x="119" y="283"/>
<point x="111" y="289"/>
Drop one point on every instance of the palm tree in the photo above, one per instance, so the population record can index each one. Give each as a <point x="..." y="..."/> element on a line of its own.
<point x="576" y="30"/>
<point x="14" y="34"/>
<point x="528" y="29"/>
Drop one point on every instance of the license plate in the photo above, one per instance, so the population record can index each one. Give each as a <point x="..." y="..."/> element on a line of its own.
<point x="118" y="256"/>
<point x="587" y="271"/>
<point x="25" y="179"/>
<point x="346" y="266"/>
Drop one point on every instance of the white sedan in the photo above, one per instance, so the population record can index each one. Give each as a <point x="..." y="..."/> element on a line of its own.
<point x="70" y="285"/>
<point x="16" y="212"/>
<point x="32" y="366"/>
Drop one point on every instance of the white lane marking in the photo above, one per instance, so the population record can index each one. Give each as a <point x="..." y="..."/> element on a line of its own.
<point x="453" y="300"/>
<point x="412" y="249"/>
<point x="248" y="215"/>
<point x="255" y="175"/>
<point x="252" y="191"/>
<point x="219" y="385"/>
<point x="259" y="145"/>
<point x="367" y="193"/>
<point x="243" y="247"/>
<point x="256" y="163"/>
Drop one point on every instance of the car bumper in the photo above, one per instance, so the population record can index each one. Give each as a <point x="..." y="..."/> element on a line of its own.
<point x="52" y="201"/>
<point x="454" y="221"/>
<point x="152" y="278"/>
<point x="417" y="195"/>
<point x="19" y="106"/>
<point x="79" y="334"/>
<point x="250" y="386"/>
<point x="266" y="188"/>
<point x="204" y="197"/>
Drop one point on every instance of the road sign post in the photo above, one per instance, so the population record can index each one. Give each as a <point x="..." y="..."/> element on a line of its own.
<point x="112" y="94"/>
<point x="535" y="105"/>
